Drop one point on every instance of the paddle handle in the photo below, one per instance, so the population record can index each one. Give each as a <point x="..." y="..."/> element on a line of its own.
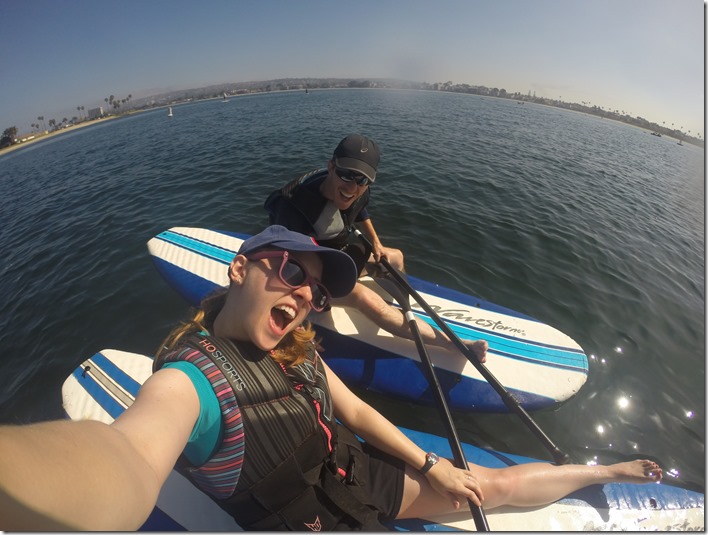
<point x="559" y="456"/>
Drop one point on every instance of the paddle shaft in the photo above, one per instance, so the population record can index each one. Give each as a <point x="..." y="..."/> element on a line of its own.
<point x="480" y="520"/>
<point x="458" y="454"/>
<point x="559" y="456"/>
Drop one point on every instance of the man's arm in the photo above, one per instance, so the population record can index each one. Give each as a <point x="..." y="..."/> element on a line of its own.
<point x="367" y="228"/>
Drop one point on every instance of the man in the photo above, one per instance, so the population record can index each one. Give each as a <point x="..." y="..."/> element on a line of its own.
<point x="325" y="204"/>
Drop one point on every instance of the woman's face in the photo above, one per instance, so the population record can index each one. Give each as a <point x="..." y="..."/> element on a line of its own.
<point x="268" y="308"/>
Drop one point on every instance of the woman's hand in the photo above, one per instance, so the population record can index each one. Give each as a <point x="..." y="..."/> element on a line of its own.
<point x="455" y="483"/>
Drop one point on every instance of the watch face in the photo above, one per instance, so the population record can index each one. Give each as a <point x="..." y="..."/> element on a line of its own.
<point x="431" y="459"/>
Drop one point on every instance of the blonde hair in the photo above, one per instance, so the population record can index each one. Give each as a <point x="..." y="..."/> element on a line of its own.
<point x="292" y="350"/>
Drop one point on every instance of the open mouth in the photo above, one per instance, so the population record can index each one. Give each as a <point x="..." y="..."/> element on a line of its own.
<point x="283" y="316"/>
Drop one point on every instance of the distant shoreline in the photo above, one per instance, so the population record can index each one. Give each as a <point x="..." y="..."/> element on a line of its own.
<point x="687" y="139"/>
<point x="42" y="137"/>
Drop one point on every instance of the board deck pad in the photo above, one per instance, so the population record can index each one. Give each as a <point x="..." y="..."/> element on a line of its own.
<point x="537" y="363"/>
<point x="105" y="384"/>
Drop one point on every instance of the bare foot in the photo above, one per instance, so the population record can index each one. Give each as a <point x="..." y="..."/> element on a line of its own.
<point x="479" y="348"/>
<point x="639" y="471"/>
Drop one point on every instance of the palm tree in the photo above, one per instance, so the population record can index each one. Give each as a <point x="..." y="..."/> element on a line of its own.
<point x="41" y="118"/>
<point x="10" y="133"/>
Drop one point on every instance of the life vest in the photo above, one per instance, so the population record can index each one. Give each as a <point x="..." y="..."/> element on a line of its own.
<point x="304" y="195"/>
<point x="280" y="464"/>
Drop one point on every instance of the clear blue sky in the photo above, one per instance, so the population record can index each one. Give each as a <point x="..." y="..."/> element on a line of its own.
<point x="645" y="57"/>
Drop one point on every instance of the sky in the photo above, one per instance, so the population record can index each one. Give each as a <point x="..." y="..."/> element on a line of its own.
<point x="644" y="57"/>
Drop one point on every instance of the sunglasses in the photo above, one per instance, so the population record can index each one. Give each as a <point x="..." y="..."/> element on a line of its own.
<point x="294" y="276"/>
<point x="348" y="176"/>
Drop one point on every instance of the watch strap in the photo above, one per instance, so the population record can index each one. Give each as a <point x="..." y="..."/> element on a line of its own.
<point x="431" y="459"/>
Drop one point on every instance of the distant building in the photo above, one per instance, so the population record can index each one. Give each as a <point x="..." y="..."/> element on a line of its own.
<point x="95" y="113"/>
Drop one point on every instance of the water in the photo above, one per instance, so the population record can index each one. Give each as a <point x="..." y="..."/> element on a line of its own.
<point x="592" y="226"/>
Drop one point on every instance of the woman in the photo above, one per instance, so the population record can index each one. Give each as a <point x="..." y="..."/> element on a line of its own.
<point x="241" y="397"/>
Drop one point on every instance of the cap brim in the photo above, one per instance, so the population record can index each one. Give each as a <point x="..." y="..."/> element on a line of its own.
<point x="339" y="272"/>
<point x="356" y="165"/>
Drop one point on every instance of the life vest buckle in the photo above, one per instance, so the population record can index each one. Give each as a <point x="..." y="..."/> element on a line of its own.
<point x="349" y="480"/>
<point x="332" y="461"/>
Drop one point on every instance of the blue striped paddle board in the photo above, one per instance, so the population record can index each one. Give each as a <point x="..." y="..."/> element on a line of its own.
<point x="537" y="363"/>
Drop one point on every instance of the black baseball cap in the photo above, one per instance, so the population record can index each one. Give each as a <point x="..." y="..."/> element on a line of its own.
<point x="357" y="153"/>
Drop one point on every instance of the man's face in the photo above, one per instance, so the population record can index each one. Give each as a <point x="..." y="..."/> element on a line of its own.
<point x="343" y="191"/>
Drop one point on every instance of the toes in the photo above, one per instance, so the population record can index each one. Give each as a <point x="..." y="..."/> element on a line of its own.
<point x="652" y="470"/>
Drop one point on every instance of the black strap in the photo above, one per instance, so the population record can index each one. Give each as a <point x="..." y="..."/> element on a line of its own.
<point x="345" y="499"/>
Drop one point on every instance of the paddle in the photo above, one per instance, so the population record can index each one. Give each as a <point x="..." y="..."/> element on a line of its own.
<point x="480" y="520"/>
<point x="559" y="456"/>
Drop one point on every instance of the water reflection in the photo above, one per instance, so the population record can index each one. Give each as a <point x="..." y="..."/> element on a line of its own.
<point x="602" y="360"/>
<point x="622" y="402"/>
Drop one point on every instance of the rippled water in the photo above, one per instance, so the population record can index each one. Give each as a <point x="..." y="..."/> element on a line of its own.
<point x="592" y="226"/>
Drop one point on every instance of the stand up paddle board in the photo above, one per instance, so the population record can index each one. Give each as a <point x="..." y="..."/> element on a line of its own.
<point x="538" y="364"/>
<point x="103" y="386"/>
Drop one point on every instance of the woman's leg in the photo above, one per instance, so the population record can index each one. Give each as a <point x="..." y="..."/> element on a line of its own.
<point x="523" y="485"/>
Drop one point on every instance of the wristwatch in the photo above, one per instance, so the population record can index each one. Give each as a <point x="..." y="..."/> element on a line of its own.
<point x="431" y="459"/>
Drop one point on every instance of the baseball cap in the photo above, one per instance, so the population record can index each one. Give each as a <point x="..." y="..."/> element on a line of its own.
<point x="357" y="153"/>
<point x="338" y="270"/>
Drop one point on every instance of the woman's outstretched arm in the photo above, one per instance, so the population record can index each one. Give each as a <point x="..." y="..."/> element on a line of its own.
<point x="88" y="475"/>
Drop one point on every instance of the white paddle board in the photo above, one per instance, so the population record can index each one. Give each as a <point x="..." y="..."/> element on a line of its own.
<point x="537" y="363"/>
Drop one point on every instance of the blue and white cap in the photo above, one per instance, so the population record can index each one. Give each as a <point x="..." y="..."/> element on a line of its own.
<point x="339" y="273"/>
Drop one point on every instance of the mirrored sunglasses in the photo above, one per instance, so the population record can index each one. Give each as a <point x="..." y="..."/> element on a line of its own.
<point x="349" y="176"/>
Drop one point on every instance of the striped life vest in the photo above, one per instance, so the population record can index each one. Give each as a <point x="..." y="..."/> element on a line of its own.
<point x="277" y="465"/>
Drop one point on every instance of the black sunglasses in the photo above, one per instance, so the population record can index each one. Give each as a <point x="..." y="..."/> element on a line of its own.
<point x="348" y="176"/>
